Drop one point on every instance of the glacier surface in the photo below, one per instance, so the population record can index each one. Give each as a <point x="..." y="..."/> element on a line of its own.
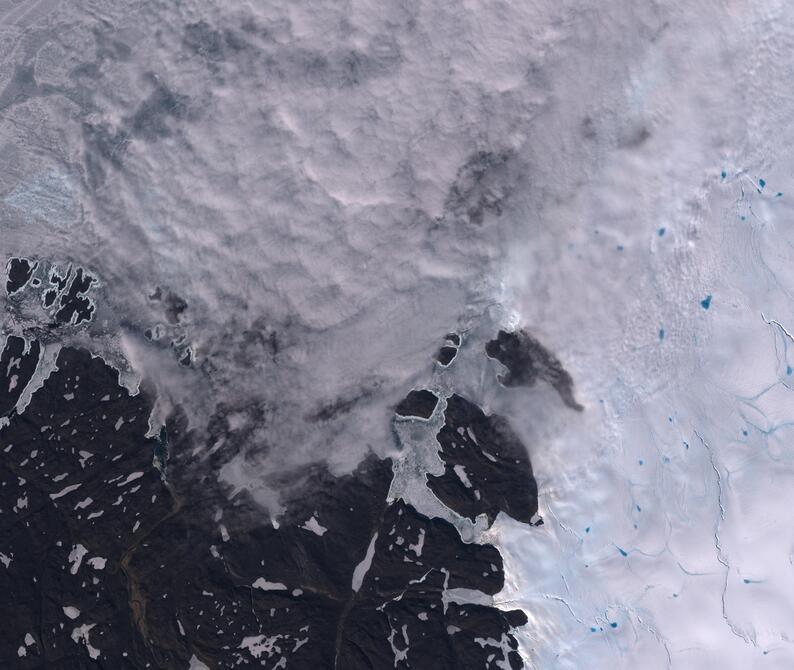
<point x="307" y="196"/>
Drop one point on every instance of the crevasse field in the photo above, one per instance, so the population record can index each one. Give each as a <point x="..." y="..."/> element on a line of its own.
<point x="331" y="187"/>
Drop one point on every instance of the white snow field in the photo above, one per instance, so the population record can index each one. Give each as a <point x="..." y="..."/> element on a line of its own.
<point x="331" y="187"/>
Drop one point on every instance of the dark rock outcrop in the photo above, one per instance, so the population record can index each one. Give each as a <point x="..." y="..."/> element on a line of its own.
<point x="18" y="361"/>
<point x="122" y="551"/>
<point x="19" y="271"/>
<point x="527" y="361"/>
<point x="417" y="404"/>
<point x="486" y="467"/>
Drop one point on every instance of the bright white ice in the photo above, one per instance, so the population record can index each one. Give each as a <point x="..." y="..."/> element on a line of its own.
<point x="316" y="197"/>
